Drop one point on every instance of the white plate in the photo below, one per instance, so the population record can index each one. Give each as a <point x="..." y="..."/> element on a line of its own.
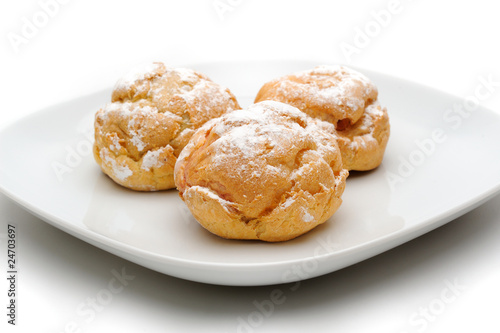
<point x="418" y="187"/>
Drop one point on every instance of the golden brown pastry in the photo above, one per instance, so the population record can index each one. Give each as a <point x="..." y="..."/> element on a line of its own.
<point x="154" y="112"/>
<point x="267" y="172"/>
<point x="345" y="98"/>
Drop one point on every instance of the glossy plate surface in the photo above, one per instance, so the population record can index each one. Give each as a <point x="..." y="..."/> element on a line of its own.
<point x="439" y="164"/>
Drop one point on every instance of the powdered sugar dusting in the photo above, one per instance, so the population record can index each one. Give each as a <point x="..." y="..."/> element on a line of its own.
<point x="341" y="178"/>
<point x="243" y="139"/>
<point x="238" y="117"/>
<point x="224" y="203"/>
<point x="288" y="202"/>
<point x="127" y="107"/>
<point x="326" y="70"/>
<point x="306" y="216"/>
<point x="336" y="86"/>
<point x="151" y="159"/>
<point x="335" y="95"/>
<point x="195" y="88"/>
<point x="136" y="141"/>
<point x="275" y="106"/>
<point x="259" y="115"/>
<point x="339" y="70"/>
<point x="374" y="110"/>
<point x="185" y="74"/>
<point x="257" y="133"/>
<point x="266" y="126"/>
<point x="137" y="112"/>
<point x="347" y="80"/>
<point x="197" y="96"/>
<point x="122" y="172"/>
<point x="137" y="73"/>
<point x="115" y="146"/>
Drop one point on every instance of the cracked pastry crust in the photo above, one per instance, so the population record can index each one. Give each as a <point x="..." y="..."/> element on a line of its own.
<point x="346" y="99"/>
<point x="267" y="172"/>
<point x="154" y="112"/>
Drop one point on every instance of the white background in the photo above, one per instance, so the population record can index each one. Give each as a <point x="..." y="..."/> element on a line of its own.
<point x="84" y="46"/>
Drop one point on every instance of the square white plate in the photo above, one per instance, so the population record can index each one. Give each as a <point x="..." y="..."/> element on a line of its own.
<point x="439" y="164"/>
